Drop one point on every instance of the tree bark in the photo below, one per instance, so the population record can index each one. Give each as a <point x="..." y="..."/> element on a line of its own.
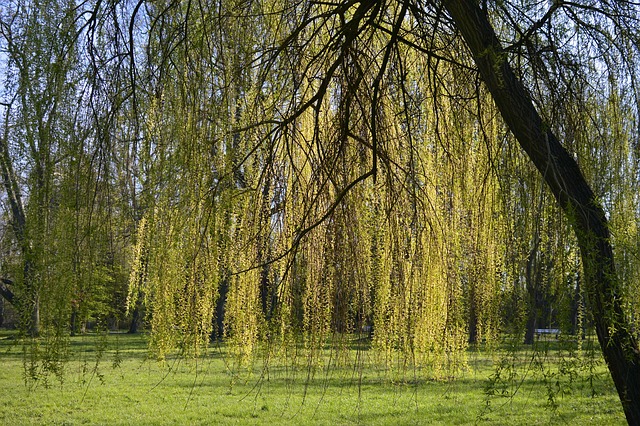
<point x="135" y="316"/>
<point x="564" y="177"/>
<point x="5" y="292"/>
<point x="218" y="330"/>
<point x="473" y="319"/>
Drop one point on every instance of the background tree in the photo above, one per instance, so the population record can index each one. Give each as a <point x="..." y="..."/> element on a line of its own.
<point x="37" y="121"/>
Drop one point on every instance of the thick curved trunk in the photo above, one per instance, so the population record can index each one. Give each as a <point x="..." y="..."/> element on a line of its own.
<point x="564" y="178"/>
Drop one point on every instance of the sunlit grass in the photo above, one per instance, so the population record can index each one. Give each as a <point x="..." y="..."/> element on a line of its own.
<point x="128" y="388"/>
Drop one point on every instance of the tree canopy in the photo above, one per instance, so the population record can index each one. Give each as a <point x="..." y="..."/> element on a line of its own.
<point x="432" y="173"/>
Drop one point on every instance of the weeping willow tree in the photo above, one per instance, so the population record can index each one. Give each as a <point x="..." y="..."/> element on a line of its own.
<point x="338" y="165"/>
<point x="338" y="131"/>
<point x="291" y="173"/>
<point x="273" y="210"/>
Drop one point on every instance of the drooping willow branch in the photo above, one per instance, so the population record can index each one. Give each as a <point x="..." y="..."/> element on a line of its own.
<point x="300" y="234"/>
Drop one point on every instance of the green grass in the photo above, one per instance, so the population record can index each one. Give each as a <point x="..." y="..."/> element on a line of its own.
<point x="139" y="391"/>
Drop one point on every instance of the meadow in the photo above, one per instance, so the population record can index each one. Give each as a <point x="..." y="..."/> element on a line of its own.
<point x="111" y="380"/>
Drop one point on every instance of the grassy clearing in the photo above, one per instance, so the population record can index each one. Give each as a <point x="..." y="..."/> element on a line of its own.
<point x="211" y="391"/>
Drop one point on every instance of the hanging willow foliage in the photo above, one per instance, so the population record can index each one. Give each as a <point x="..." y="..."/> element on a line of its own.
<point x="269" y="219"/>
<point x="322" y="188"/>
<point x="291" y="176"/>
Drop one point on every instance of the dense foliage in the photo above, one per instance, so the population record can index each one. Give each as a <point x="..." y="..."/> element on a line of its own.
<point x="275" y="172"/>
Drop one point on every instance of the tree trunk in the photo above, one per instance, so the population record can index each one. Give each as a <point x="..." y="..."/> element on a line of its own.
<point x="73" y="321"/>
<point x="34" y="325"/>
<point x="532" y="281"/>
<point x="218" y="330"/>
<point x="31" y="303"/>
<point x="5" y="292"/>
<point x="135" y="317"/>
<point x="563" y="176"/>
<point x="473" y="322"/>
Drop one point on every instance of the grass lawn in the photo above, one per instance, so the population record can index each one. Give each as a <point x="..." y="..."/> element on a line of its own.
<point x="211" y="391"/>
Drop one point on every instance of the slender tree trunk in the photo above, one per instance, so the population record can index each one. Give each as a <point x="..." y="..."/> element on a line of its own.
<point x="532" y="281"/>
<point x="220" y="308"/>
<point x="568" y="185"/>
<point x="73" y="321"/>
<point x="31" y="314"/>
<point x="135" y="317"/>
<point x="34" y="326"/>
<point x="473" y="322"/>
<point x="530" y="328"/>
<point x="264" y="248"/>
